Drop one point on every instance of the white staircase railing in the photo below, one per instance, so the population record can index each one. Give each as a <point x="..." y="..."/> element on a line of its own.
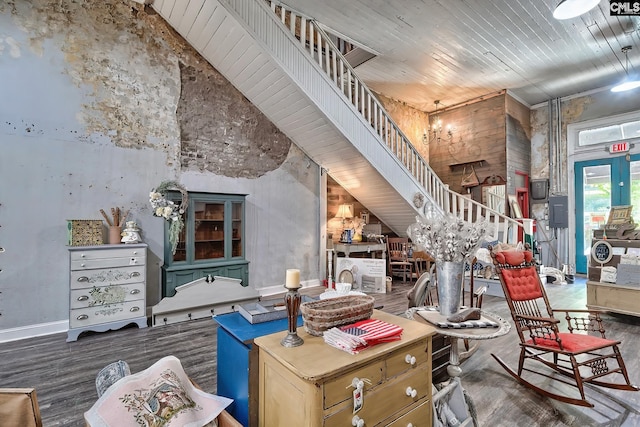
<point x="317" y="43"/>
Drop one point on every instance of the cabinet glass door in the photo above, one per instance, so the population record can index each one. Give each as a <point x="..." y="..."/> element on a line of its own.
<point x="237" y="248"/>
<point x="209" y="230"/>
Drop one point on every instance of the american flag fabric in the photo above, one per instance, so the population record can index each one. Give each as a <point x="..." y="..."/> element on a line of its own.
<point x="360" y="335"/>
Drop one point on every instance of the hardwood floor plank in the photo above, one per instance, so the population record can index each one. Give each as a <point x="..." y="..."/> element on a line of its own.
<point x="63" y="374"/>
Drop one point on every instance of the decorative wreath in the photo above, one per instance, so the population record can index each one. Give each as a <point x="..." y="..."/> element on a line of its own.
<point x="418" y="200"/>
<point x="169" y="210"/>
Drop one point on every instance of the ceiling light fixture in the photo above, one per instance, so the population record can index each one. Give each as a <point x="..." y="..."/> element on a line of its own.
<point x="629" y="82"/>
<point x="435" y="129"/>
<point x="568" y="9"/>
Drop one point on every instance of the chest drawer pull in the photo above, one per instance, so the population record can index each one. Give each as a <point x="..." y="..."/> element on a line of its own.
<point x="82" y="317"/>
<point x="411" y="392"/>
<point x="83" y="297"/>
<point x="134" y="291"/>
<point x="410" y="359"/>
<point x="134" y="309"/>
<point x="356" y="421"/>
<point x="82" y="279"/>
<point x="135" y="274"/>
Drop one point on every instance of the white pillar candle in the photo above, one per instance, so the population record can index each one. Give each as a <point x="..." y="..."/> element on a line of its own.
<point x="293" y="278"/>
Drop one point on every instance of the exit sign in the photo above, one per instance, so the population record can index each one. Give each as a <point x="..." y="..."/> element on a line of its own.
<point x="619" y="147"/>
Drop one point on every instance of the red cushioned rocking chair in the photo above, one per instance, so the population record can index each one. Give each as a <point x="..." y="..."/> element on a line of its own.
<point x="578" y="357"/>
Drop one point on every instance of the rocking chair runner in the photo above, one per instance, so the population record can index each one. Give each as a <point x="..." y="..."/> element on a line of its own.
<point x="581" y="358"/>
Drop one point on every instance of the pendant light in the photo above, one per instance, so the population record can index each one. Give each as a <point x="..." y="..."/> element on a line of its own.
<point x="629" y="82"/>
<point x="568" y="9"/>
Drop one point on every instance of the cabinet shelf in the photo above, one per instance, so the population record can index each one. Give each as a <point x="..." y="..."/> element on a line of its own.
<point x="211" y="243"/>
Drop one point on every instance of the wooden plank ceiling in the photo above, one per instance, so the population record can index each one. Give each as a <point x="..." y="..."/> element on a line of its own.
<point x="457" y="50"/>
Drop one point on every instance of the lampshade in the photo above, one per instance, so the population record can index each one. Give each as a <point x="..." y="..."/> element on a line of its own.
<point x="568" y="9"/>
<point x="629" y="82"/>
<point x="345" y="211"/>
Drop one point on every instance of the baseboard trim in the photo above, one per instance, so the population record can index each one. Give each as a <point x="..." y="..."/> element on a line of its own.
<point x="30" y="331"/>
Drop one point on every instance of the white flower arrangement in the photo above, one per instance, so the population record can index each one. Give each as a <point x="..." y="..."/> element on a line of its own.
<point x="445" y="237"/>
<point x="169" y="210"/>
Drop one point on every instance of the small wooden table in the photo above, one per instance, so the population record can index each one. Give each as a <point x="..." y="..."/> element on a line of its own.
<point x="368" y="247"/>
<point x="431" y="314"/>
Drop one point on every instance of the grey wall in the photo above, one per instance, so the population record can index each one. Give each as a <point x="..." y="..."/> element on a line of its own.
<point x="99" y="103"/>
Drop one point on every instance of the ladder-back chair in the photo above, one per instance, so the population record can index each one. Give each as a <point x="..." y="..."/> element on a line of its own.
<point x="398" y="258"/>
<point x="582" y="354"/>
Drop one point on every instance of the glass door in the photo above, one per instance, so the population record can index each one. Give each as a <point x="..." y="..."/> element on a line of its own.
<point x="599" y="185"/>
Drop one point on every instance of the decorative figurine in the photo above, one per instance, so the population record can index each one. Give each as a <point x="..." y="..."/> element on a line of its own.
<point x="131" y="233"/>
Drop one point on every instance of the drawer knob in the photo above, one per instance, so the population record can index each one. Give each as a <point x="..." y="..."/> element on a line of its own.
<point x="83" y="279"/>
<point x="135" y="291"/>
<point x="410" y="425"/>
<point x="83" y="298"/>
<point x="133" y="261"/>
<point x="82" y="317"/>
<point x="356" y="421"/>
<point x="134" y="309"/>
<point x="411" y="392"/>
<point x="410" y="359"/>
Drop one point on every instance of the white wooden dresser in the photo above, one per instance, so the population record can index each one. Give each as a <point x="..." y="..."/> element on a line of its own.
<point x="107" y="287"/>
<point x="311" y="385"/>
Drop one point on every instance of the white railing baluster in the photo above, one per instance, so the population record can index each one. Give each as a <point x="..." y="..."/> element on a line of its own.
<point x="314" y="40"/>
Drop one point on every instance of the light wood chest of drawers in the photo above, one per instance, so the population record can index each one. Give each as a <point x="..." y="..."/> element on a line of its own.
<point x="107" y="287"/>
<point x="310" y="385"/>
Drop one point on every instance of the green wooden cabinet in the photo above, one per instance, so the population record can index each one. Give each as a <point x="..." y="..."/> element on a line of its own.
<point x="211" y="243"/>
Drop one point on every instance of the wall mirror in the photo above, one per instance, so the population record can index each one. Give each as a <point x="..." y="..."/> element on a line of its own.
<point x="494" y="189"/>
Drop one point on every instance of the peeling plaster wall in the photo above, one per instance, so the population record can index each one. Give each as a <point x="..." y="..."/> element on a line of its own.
<point x="101" y="107"/>
<point x="411" y="121"/>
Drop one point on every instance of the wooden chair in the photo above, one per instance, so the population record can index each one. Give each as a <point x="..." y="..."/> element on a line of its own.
<point x="398" y="258"/>
<point x="582" y="355"/>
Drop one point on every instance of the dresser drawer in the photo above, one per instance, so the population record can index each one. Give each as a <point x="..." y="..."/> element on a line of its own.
<point x="387" y="400"/>
<point x="111" y="276"/>
<point x="401" y="360"/>
<point x="92" y="264"/>
<point x="417" y="417"/>
<point x="103" y="314"/>
<point x="339" y="389"/>
<point x="123" y="252"/>
<point x="106" y="295"/>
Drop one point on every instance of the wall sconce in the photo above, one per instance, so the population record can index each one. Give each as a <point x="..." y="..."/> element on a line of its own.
<point x="434" y="133"/>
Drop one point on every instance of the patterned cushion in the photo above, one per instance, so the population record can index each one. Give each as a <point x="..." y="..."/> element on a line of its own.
<point x="110" y="374"/>
<point x="161" y="395"/>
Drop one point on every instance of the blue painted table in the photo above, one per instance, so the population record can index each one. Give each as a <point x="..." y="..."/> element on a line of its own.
<point x="237" y="367"/>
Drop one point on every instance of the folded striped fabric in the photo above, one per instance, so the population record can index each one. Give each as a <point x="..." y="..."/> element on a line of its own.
<point x="467" y="324"/>
<point x="360" y="335"/>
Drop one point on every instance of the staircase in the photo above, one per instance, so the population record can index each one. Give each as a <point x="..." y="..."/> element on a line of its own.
<point x="287" y="66"/>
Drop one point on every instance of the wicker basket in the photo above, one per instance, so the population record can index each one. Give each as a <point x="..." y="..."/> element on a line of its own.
<point x="322" y="315"/>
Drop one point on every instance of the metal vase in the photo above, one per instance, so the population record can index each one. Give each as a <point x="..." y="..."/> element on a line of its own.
<point x="450" y="276"/>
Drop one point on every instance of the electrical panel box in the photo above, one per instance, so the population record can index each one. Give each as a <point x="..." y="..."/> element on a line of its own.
<point x="539" y="190"/>
<point x="559" y="211"/>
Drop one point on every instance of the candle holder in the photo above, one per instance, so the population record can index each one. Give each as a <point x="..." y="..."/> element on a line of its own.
<point x="292" y="301"/>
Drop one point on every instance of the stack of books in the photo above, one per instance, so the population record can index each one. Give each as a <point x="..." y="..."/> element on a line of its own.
<point x="357" y="336"/>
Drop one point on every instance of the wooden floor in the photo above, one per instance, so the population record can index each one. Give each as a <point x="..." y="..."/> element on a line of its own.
<point x="63" y="374"/>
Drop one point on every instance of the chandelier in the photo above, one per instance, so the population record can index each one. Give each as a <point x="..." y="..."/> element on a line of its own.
<point x="434" y="133"/>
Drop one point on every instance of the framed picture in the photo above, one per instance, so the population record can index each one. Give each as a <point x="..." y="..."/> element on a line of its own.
<point x="364" y="216"/>
<point x="619" y="215"/>
<point x="515" y="207"/>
